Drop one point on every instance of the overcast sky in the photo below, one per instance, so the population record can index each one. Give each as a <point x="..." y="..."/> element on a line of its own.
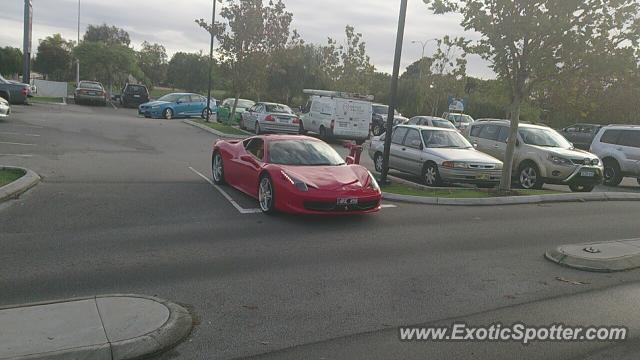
<point x="171" y="23"/>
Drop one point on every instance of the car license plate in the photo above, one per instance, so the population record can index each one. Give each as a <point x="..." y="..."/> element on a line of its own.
<point x="347" y="201"/>
<point x="483" y="177"/>
<point x="284" y="121"/>
<point x="585" y="173"/>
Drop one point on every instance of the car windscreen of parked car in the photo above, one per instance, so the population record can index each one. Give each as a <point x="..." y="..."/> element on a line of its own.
<point x="444" y="139"/>
<point x="278" y="108"/>
<point x="90" y="85"/>
<point x="544" y="137"/>
<point x="170" y="97"/>
<point x="303" y="153"/>
<point x="443" y="124"/>
<point x="383" y="110"/>
<point x="244" y="103"/>
<point x="136" y="89"/>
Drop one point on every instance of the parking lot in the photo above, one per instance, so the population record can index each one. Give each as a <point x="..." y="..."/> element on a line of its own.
<point x="126" y="205"/>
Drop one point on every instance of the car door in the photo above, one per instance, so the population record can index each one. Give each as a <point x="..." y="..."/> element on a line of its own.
<point x="182" y="105"/>
<point x="500" y="147"/>
<point x="630" y="147"/>
<point x="247" y="116"/>
<point x="488" y="139"/>
<point x="249" y="166"/>
<point x="397" y="143"/>
<point x="413" y="156"/>
<point x="198" y="103"/>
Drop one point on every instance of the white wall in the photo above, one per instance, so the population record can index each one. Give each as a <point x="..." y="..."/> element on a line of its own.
<point x="51" y="88"/>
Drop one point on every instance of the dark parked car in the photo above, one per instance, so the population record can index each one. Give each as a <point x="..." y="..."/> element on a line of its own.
<point x="134" y="95"/>
<point x="13" y="91"/>
<point x="581" y="135"/>
<point x="379" y="119"/>
<point x="90" y="92"/>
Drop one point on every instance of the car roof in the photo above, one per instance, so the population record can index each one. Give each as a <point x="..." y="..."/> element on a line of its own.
<point x="276" y="137"/>
<point x="424" y="127"/>
<point x="622" y="126"/>
<point x="428" y="117"/>
<point x="507" y="122"/>
<point x="271" y="103"/>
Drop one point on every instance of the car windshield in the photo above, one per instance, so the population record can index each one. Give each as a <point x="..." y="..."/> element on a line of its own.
<point x="444" y="139"/>
<point x="170" y="97"/>
<point x="443" y="124"/>
<point x="303" y="152"/>
<point x="278" y="108"/>
<point x="543" y="137"/>
<point x="90" y="85"/>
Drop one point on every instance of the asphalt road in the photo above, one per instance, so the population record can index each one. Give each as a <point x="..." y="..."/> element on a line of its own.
<point x="120" y="210"/>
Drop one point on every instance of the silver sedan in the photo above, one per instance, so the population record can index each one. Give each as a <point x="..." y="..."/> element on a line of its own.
<point x="437" y="155"/>
<point x="271" y="117"/>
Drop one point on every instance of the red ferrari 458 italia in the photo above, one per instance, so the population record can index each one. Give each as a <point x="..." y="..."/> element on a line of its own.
<point x="295" y="174"/>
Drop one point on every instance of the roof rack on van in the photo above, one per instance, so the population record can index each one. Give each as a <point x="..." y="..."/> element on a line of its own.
<point x="629" y="125"/>
<point x="338" y="94"/>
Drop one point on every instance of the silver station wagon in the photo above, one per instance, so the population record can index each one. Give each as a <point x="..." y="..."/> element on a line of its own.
<point x="437" y="155"/>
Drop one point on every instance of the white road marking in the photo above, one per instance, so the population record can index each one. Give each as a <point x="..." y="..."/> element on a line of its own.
<point x="388" y="206"/>
<point x="29" y="126"/>
<point x="240" y="209"/>
<point x="14" y="143"/>
<point x="15" y="133"/>
<point x="18" y="155"/>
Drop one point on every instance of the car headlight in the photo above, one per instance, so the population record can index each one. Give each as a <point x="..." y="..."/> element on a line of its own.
<point x="455" y="165"/>
<point x="373" y="184"/>
<point x="595" y="162"/>
<point x="299" y="184"/>
<point x="559" y="160"/>
<point x="499" y="166"/>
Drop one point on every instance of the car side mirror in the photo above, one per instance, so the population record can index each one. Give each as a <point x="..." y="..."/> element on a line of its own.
<point x="350" y="160"/>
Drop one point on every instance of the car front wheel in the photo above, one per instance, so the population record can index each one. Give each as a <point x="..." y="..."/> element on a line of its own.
<point x="378" y="161"/>
<point x="167" y="114"/>
<point x="581" y="188"/>
<point x="529" y="176"/>
<point x="431" y="175"/>
<point x="265" y="195"/>
<point x="612" y="173"/>
<point x="217" y="168"/>
<point x="378" y="129"/>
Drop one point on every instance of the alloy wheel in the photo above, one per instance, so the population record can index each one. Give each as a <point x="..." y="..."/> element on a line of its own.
<point x="265" y="194"/>
<point x="528" y="177"/>
<point x="217" y="168"/>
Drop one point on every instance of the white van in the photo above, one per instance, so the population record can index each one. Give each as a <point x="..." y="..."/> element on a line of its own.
<point x="339" y="115"/>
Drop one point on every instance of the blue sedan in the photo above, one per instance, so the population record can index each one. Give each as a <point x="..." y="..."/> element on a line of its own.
<point x="177" y="105"/>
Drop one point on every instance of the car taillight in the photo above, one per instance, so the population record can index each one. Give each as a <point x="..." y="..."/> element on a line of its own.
<point x="295" y="121"/>
<point x="270" y="118"/>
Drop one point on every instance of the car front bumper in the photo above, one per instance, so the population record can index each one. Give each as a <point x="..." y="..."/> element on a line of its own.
<point x="279" y="128"/>
<point x="152" y="112"/>
<point x="582" y="175"/>
<point x="317" y="202"/>
<point x="470" y="176"/>
<point x="91" y="98"/>
<point x="5" y="110"/>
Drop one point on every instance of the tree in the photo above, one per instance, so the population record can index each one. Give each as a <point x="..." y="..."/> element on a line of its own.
<point x="530" y="41"/>
<point x="10" y="61"/>
<point x="250" y="35"/>
<point x="188" y="71"/>
<point x="109" y="64"/>
<point x="152" y="60"/>
<point x="54" y="57"/>
<point x="107" y="34"/>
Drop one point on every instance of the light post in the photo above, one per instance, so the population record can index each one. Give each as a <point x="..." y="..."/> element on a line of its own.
<point x="213" y="23"/>
<point x="424" y="45"/>
<point x="77" y="44"/>
<point x="394" y="91"/>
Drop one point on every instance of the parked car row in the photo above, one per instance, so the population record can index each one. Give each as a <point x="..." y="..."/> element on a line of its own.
<point x="176" y="105"/>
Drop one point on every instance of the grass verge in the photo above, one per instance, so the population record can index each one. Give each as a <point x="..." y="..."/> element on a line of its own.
<point x="9" y="175"/>
<point x="46" y="99"/>
<point x="461" y="193"/>
<point x="226" y="129"/>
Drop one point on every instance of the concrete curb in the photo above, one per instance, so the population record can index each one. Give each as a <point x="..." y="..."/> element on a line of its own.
<point x="216" y="132"/>
<point x="515" y="200"/>
<point x="16" y="188"/>
<point x="612" y="256"/>
<point x="175" y="329"/>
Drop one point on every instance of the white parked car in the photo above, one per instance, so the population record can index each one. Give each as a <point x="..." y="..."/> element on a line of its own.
<point x="437" y="156"/>
<point x="339" y="115"/>
<point x="619" y="148"/>
<point x="431" y="121"/>
<point x="271" y="117"/>
<point x="542" y="155"/>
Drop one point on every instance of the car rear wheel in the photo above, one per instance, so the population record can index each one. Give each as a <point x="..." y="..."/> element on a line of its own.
<point x="529" y="176"/>
<point x="581" y="188"/>
<point x="378" y="161"/>
<point x="206" y="112"/>
<point x="612" y="173"/>
<point x="167" y="114"/>
<point x="217" y="168"/>
<point x="431" y="175"/>
<point x="378" y="129"/>
<point x="266" y="195"/>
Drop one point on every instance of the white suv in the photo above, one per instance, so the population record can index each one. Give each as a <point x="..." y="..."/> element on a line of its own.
<point x="619" y="148"/>
<point x="542" y="155"/>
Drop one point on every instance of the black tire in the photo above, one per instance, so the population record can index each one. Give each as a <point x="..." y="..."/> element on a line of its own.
<point x="378" y="159"/>
<point x="377" y="129"/>
<point x="204" y="114"/>
<point x="612" y="173"/>
<point x="267" y="208"/>
<point x="529" y="176"/>
<point x="218" y="177"/>
<point x="167" y="114"/>
<point x="258" y="130"/>
<point x="431" y="175"/>
<point x="581" y="188"/>
<point x="323" y="133"/>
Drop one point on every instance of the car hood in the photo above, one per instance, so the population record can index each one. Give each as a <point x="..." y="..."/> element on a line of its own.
<point x="567" y="153"/>
<point x="155" y="103"/>
<point x="469" y="155"/>
<point x="330" y="177"/>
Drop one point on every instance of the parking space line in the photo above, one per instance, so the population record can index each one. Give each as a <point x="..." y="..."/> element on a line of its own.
<point x="15" y="133"/>
<point x="388" y="206"/>
<point x="15" y="143"/>
<point x="18" y="155"/>
<point x="240" y="209"/>
<point x="29" y="126"/>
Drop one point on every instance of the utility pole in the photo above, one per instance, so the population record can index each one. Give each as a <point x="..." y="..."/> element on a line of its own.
<point x="26" y="42"/>
<point x="213" y="23"/>
<point x="77" y="44"/>
<point x="424" y="45"/>
<point x="394" y="91"/>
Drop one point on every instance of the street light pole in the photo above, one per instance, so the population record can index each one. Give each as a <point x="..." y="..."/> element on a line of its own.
<point x="394" y="91"/>
<point x="213" y="23"/>
<point x="78" y="43"/>
<point x="424" y="45"/>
